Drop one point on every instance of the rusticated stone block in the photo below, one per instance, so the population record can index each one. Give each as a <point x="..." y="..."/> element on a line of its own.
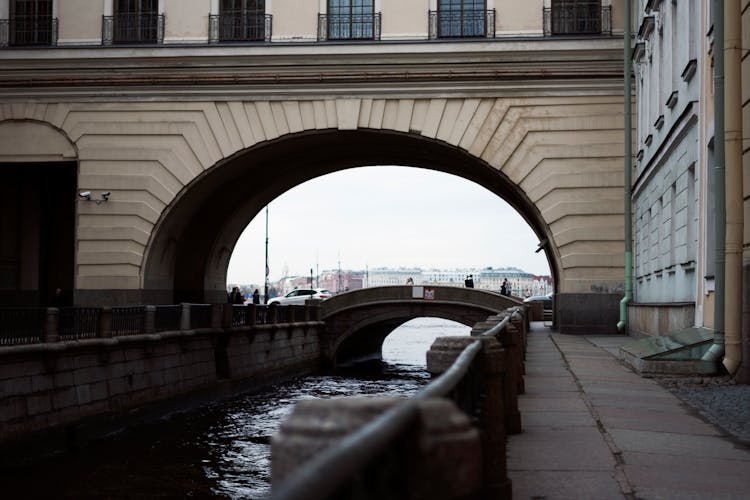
<point x="444" y="352"/>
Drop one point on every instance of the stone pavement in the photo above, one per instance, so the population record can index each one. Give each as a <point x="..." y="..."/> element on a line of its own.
<point x="593" y="429"/>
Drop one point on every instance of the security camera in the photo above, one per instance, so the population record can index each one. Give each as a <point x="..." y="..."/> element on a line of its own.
<point x="86" y="195"/>
<point x="105" y="195"/>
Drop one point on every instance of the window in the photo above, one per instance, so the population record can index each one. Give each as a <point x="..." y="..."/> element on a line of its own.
<point x="352" y="20"/>
<point x="576" y="17"/>
<point x="243" y="20"/>
<point x="32" y="23"/>
<point x="137" y="21"/>
<point x="461" y="18"/>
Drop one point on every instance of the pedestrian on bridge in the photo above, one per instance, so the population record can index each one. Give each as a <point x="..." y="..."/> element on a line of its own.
<point x="469" y="281"/>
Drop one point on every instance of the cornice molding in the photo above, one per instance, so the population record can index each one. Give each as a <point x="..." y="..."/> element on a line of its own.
<point x="270" y="69"/>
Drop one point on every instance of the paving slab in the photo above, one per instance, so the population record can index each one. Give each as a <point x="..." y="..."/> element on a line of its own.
<point x="595" y="429"/>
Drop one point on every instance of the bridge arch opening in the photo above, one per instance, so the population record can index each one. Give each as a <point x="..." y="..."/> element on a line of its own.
<point x="189" y="251"/>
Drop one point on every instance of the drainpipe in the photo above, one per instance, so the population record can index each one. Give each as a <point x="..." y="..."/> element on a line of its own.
<point x="735" y="201"/>
<point x="628" y="172"/>
<point x="716" y="351"/>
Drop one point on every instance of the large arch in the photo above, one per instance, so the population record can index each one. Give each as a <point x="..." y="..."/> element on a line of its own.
<point x="187" y="176"/>
<point x="199" y="231"/>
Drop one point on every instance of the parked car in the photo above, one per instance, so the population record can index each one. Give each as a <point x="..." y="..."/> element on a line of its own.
<point x="300" y="295"/>
<point x="546" y="300"/>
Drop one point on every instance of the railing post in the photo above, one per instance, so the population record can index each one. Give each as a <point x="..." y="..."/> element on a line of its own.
<point x="227" y="315"/>
<point x="494" y="368"/>
<point x="217" y="315"/>
<point x="149" y="321"/>
<point x="105" y="322"/>
<point x="185" y="316"/>
<point x="291" y="313"/>
<point x="51" y="323"/>
<point x="510" y="381"/>
<point x="252" y="310"/>
<point x="273" y="313"/>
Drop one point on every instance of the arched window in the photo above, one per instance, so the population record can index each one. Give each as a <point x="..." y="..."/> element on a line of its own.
<point x="137" y="21"/>
<point x="576" y="17"/>
<point x="461" y="18"/>
<point x="243" y="20"/>
<point x="352" y="20"/>
<point x="31" y="22"/>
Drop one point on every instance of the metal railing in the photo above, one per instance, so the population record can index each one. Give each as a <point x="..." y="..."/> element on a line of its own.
<point x="21" y="325"/>
<point x="341" y="470"/>
<point x="455" y="23"/>
<point x="349" y="26"/>
<point x="30" y="30"/>
<point x="133" y="29"/>
<point x="76" y="323"/>
<point x="128" y="320"/>
<point x="579" y="18"/>
<point x="33" y="325"/>
<point x="239" y="26"/>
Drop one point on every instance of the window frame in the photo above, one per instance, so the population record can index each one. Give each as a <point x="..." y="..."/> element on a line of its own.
<point x="43" y="28"/>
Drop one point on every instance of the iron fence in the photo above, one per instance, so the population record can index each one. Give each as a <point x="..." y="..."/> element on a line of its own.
<point x="349" y="26"/>
<point x="239" y="26"/>
<point x="456" y="23"/>
<point x="578" y="18"/>
<point x="77" y="323"/>
<point x="29" y="30"/>
<point x="128" y="320"/>
<point x="22" y="325"/>
<point x="133" y="28"/>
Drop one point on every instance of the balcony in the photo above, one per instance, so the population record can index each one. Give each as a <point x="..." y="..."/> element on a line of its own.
<point x="349" y="26"/>
<point x="580" y="18"/>
<point x="239" y="26"/>
<point x="28" y="31"/>
<point x="462" y="23"/>
<point x="133" y="29"/>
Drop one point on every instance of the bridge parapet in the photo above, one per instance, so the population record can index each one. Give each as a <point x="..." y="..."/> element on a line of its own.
<point x="391" y="448"/>
<point x="383" y="294"/>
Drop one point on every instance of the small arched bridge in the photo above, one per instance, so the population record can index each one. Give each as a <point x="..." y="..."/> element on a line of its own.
<point x="358" y="322"/>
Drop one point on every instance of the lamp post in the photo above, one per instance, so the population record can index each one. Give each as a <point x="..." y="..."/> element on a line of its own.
<point x="311" y="278"/>
<point x="265" y="293"/>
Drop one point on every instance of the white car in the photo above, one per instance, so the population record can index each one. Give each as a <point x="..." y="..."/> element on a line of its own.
<point x="300" y="295"/>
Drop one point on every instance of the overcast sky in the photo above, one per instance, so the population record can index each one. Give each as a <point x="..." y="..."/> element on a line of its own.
<point x="385" y="216"/>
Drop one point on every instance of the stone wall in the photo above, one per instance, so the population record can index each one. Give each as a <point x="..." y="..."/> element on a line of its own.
<point x="100" y="382"/>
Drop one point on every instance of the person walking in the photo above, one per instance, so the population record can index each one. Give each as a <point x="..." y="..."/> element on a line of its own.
<point x="256" y="296"/>
<point x="504" y="288"/>
<point x="469" y="281"/>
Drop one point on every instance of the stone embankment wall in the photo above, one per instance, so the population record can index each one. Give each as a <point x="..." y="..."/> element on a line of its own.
<point x="63" y="386"/>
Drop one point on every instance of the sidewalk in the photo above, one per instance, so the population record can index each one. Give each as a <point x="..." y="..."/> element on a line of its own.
<point x="593" y="429"/>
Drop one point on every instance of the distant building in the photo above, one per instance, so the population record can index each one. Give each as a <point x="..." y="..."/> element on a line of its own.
<point x="384" y="276"/>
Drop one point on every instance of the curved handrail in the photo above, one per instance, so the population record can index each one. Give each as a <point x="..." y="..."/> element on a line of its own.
<point x="320" y="477"/>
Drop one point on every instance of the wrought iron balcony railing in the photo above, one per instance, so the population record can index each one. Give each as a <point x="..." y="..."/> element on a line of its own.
<point x="239" y="26"/>
<point x="349" y="26"/>
<point x="580" y="18"/>
<point x="26" y="31"/>
<point x="462" y="23"/>
<point x="133" y="28"/>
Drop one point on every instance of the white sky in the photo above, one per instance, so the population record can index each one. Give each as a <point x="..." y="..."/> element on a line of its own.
<point x="385" y="216"/>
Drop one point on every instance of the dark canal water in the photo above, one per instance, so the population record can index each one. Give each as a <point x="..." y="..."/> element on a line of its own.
<point x="220" y="450"/>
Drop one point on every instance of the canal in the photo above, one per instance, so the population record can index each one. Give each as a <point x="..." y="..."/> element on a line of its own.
<point x="220" y="450"/>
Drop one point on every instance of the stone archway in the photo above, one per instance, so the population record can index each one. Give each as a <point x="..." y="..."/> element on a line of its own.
<point x="226" y="198"/>
<point x="186" y="177"/>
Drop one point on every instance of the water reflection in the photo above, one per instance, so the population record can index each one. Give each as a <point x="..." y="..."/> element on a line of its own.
<point x="221" y="450"/>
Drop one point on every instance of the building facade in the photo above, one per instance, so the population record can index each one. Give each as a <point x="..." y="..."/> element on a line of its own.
<point x="169" y="124"/>
<point x="674" y="195"/>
